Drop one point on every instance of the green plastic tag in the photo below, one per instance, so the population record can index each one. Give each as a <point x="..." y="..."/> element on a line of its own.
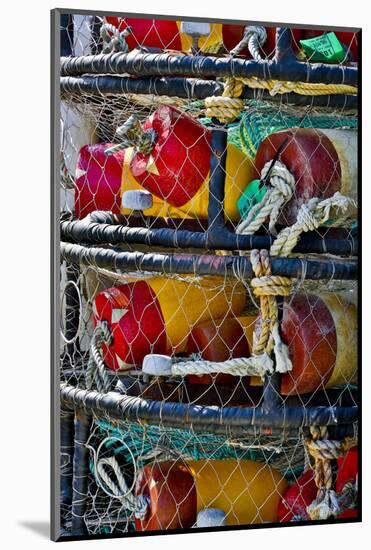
<point x="324" y="49"/>
<point x="252" y="195"/>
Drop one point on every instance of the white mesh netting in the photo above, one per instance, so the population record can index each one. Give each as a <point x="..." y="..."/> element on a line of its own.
<point x="201" y="356"/>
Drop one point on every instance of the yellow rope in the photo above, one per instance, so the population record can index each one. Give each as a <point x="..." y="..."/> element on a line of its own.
<point x="228" y="106"/>
<point x="303" y="88"/>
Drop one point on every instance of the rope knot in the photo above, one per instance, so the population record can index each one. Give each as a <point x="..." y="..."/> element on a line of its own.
<point x="132" y="134"/>
<point x="281" y="188"/>
<point x="267" y="286"/>
<point x="324" y="450"/>
<point x="254" y="37"/>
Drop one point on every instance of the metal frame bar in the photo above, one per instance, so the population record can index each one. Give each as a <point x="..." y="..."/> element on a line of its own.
<point x="102" y="227"/>
<point x="208" y="418"/>
<point x="190" y="88"/>
<point x="206" y="264"/>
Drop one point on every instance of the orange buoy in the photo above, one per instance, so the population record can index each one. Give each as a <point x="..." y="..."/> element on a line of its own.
<point x="321" y="334"/>
<point x="247" y="492"/>
<point x="220" y="340"/>
<point x="155" y="315"/>
<point x="163" y="33"/>
<point x="321" y="161"/>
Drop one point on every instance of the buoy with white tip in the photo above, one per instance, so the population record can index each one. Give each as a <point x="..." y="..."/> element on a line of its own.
<point x="211" y="517"/>
<point x="137" y="200"/>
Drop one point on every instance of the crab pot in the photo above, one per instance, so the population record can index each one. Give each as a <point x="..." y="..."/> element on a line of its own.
<point x="348" y="39"/>
<point x="176" y="171"/>
<point x="162" y="34"/>
<point x="178" y="491"/>
<point x="155" y="315"/>
<point x="321" y="161"/>
<point x="233" y="34"/>
<point x="220" y="340"/>
<point x="321" y="334"/>
<point x="98" y="180"/>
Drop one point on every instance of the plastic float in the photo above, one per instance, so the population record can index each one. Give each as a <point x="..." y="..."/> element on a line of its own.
<point x="155" y="315"/>
<point x="321" y="333"/>
<point x="165" y="34"/>
<point x="321" y="161"/>
<point x="246" y="491"/>
<point x="219" y="340"/>
<point x="175" y="171"/>
<point x="298" y="496"/>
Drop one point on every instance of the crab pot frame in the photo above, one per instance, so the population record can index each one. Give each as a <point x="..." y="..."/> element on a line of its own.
<point x="192" y="77"/>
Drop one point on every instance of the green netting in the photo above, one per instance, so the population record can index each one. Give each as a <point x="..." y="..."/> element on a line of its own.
<point x="147" y="441"/>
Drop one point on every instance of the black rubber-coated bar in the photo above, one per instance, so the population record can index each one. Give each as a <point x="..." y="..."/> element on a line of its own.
<point x="100" y="228"/>
<point x="218" y="161"/>
<point x="167" y="64"/>
<point x="66" y="450"/>
<point x="80" y="471"/>
<point x="207" y="264"/>
<point x="190" y="88"/>
<point x="72" y="313"/>
<point x="212" y="418"/>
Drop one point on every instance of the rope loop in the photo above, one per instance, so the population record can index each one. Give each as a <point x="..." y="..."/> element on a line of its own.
<point x="254" y="37"/>
<point x="114" y="40"/>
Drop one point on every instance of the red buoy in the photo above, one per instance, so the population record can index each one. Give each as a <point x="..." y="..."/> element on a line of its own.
<point x="154" y="315"/>
<point x="321" y="161"/>
<point x="347" y="472"/>
<point x="98" y="180"/>
<point x="293" y="506"/>
<point x="181" y="156"/>
<point x="320" y="332"/>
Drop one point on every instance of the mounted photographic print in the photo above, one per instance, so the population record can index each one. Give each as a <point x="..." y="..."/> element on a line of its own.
<point x="205" y="203"/>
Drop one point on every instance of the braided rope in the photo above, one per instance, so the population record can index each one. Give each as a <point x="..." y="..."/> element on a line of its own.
<point x="119" y="488"/>
<point x="113" y="39"/>
<point x="241" y="366"/>
<point x="282" y="186"/>
<point x="303" y="88"/>
<point x="324" y="450"/>
<point x="312" y="215"/>
<point x="132" y="134"/>
<point x="96" y="373"/>
<point x="253" y="38"/>
<point x="266" y="287"/>
<point x="228" y="106"/>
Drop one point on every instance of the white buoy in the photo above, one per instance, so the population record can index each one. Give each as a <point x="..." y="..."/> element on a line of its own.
<point x="137" y="200"/>
<point x="211" y="517"/>
<point x="157" y="365"/>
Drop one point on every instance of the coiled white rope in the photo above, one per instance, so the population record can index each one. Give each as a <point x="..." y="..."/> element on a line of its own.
<point x="254" y="37"/>
<point x="280" y="191"/>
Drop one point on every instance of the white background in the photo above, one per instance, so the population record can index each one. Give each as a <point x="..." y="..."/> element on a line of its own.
<point x="24" y="294"/>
